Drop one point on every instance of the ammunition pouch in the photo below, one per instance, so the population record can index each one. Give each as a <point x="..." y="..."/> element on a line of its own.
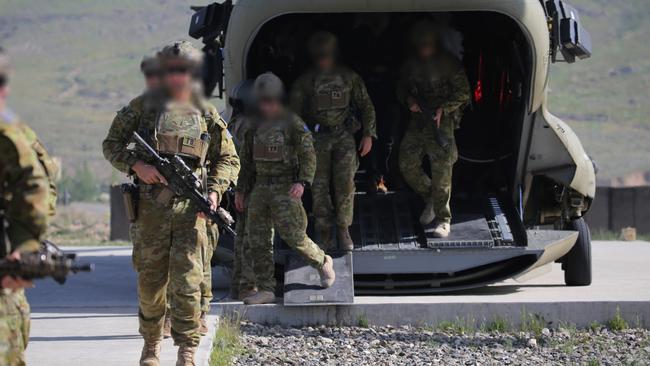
<point x="333" y="99"/>
<point x="352" y="124"/>
<point x="131" y="195"/>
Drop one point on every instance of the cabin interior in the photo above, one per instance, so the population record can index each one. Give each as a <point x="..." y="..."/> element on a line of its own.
<point x="497" y="59"/>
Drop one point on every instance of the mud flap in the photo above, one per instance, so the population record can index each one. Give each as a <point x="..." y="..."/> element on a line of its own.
<point x="302" y="283"/>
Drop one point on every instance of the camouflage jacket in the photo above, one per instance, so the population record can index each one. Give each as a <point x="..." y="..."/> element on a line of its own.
<point x="23" y="188"/>
<point x="51" y="168"/>
<point x="140" y="116"/>
<point x="297" y="160"/>
<point x="307" y="93"/>
<point x="440" y="82"/>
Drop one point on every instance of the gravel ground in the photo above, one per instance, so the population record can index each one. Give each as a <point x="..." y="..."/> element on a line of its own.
<point x="415" y="346"/>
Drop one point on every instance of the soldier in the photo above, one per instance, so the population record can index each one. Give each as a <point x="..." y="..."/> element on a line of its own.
<point x="169" y="236"/>
<point x="438" y="79"/>
<point x="278" y="162"/>
<point x="326" y="96"/>
<point x="243" y="279"/>
<point x="24" y="209"/>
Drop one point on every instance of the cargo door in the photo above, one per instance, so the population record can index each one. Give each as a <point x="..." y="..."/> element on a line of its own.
<point x="302" y="282"/>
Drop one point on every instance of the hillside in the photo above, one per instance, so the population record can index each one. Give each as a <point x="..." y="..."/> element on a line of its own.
<point x="76" y="64"/>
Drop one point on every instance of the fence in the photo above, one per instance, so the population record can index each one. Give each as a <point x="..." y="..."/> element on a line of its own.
<point x="615" y="208"/>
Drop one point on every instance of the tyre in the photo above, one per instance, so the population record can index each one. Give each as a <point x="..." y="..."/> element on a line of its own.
<point x="577" y="262"/>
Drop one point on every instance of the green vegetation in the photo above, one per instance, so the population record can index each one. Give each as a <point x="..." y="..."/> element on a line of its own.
<point x="617" y="323"/>
<point x="498" y="325"/>
<point x="82" y="186"/>
<point x="77" y="63"/>
<point x="533" y="323"/>
<point x="226" y="343"/>
<point x="362" y="321"/>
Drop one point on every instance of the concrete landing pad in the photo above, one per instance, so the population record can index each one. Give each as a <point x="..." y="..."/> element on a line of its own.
<point x="621" y="280"/>
<point x="92" y="319"/>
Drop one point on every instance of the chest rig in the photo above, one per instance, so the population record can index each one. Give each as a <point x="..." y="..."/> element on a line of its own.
<point x="431" y="79"/>
<point x="181" y="129"/>
<point x="331" y="91"/>
<point x="271" y="142"/>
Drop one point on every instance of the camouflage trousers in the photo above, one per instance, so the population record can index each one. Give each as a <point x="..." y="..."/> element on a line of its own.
<point x="416" y="145"/>
<point x="243" y="277"/>
<point x="206" y="285"/>
<point x="14" y="327"/>
<point x="169" y="243"/>
<point x="269" y="207"/>
<point x="336" y="164"/>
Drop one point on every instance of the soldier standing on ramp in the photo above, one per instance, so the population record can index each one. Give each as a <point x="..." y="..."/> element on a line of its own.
<point x="278" y="161"/>
<point x="437" y="79"/>
<point x="169" y="237"/>
<point x="326" y="97"/>
<point x="24" y="207"/>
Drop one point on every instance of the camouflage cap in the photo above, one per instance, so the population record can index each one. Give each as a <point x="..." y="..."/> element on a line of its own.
<point x="183" y="51"/>
<point x="323" y="44"/>
<point x="5" y="66"/>
<point x="150" y="64"/>
<point x="268" y="85"/>
<point x="423" y="33"/>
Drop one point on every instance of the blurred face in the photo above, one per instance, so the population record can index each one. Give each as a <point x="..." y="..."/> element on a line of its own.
<point x="178" y="78"/>
<point x="325" y="63"/>
<point x="426" y="51"/>
<point x="4" y="89"/>
<point x="270" y="108"/>
<point x="152" y="79"/>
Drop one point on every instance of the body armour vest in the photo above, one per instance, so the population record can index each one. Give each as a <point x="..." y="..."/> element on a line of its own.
<point x="331" y="92"/>
<point x="181" y="129"/>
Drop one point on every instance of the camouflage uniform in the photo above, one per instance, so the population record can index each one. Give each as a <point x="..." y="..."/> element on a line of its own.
<point x="442" y="83"/>
<point x="24" y="199"/>
<point x="243" y="278"/>
<point x="169" y="240"/>
<point x="325" y="100"/>
<point x="276" y="155"/>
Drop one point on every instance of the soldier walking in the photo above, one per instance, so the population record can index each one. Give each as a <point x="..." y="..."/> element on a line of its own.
<point x="327" y="96"/>
<point x="169" y="235"/>
<point x="278" y="162"/>
<point x="25" y="204"/>
<point x="431" y="79"/>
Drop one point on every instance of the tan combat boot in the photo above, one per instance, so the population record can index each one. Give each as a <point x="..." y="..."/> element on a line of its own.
<point x="150" y="353"/>
<point x="324" y="234"/>
<point x="186" y="356"/>
<point x="345" y="241"/>
<point x="327" y="275"/>
<point x="167" y="325"/>
<point x="427" y="214"/>
<point x="203" y="329"/>
<point x="247" y="293"/>
<point x="442" y="230"/>
<point x="261" y="297"/>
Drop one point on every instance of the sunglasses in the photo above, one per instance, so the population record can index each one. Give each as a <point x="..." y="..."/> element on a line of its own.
<point x="177" y="70"/>
<point x="152" y="74"/>
<point x="3" y="81"/>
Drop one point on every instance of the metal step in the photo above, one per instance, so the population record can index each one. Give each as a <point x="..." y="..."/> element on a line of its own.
<point x="302" y="283"/>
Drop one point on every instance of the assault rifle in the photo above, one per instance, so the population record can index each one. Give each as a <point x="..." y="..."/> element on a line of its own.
<point x="430" y="113"/>
<point x="50" y="261"/>
<point x="183" y="182"/>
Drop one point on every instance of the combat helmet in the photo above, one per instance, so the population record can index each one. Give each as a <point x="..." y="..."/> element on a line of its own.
<point x="268" y="85"/>
<point x="323" y="44"/>
<point x="150" y="64"/>
<point x="182" y="51"/>
<point x="423" y="33"/>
